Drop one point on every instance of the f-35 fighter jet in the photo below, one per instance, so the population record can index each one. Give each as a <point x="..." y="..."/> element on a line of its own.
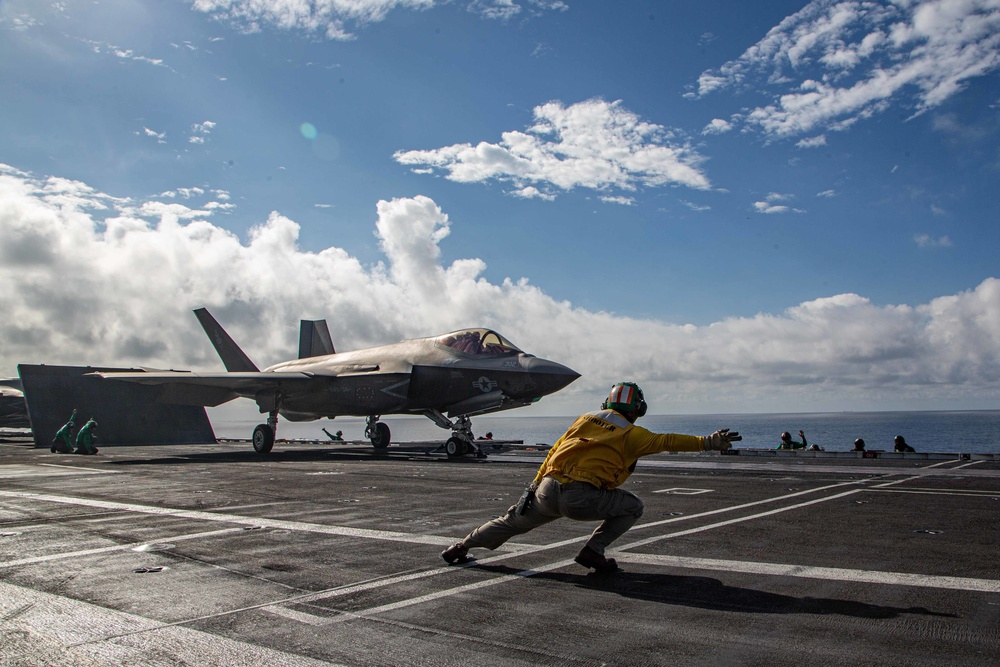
<point x="447" y="378"/>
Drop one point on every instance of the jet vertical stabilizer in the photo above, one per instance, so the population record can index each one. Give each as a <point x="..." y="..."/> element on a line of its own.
<point x="314" y="339"/>
<point x="235" y="360"/>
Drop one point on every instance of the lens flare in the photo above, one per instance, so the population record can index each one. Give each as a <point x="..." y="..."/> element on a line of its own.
<point x="308" y="130"/>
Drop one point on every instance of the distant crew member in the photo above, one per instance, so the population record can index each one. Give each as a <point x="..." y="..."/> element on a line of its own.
<point x="580" y="476"/>
<point x="859" y="445"/>
<point x="336" y="437"/>
<point x="63" y="440"/>
<point x="85" y="438"/>
<point x="899" y="445"/>
<point x="788" y="443"/>
<point x="488" y="436"/>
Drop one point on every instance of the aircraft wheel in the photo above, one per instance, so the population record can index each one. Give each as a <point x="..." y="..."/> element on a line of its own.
<point x="263" y="438"/>
<point x="380" y="440"/>
<point x="455" y="447"/>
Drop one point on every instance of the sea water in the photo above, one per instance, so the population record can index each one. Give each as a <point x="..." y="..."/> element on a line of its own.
<point x="967" y="432"/>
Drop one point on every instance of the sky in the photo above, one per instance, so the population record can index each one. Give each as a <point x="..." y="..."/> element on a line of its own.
<point x="776" y="206"/>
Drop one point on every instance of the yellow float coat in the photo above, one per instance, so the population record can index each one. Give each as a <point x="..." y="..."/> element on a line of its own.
<point x="601" y="448"/>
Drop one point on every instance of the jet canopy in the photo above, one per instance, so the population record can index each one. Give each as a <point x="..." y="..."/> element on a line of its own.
<point x="484" y="342"/>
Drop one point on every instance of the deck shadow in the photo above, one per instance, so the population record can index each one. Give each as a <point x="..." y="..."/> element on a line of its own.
<point x="709" y="593"/>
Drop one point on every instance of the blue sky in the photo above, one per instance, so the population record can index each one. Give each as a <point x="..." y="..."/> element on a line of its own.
<point x="769" y="206"/>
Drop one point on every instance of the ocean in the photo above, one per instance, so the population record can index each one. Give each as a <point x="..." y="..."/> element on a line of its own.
<point x="953" y="431"/>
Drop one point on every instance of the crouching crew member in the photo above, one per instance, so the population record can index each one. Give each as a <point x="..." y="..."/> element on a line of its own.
<point x="85" y="438"/>
<point x="581" y="475"/>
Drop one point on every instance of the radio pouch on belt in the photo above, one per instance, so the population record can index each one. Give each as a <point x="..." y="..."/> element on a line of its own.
<point x="525" y="500"/>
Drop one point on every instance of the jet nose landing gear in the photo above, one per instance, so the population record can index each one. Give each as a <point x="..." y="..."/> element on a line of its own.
<point x="456" y="446"/>
<point x="462" y="441"/>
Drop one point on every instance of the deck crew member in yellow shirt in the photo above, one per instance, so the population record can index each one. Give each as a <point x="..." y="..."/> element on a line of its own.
<point x="581" y="475"/>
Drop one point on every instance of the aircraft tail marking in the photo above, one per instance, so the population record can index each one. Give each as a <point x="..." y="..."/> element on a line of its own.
<point x="314" y="339"/>
<point x="235" y="360"/>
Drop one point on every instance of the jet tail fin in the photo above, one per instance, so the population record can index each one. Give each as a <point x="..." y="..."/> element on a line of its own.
<point x="235" y="360"/>
<point x="314" y="339"/>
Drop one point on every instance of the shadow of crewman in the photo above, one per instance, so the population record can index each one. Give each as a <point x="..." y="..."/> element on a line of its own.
<point x="708" y="593"/>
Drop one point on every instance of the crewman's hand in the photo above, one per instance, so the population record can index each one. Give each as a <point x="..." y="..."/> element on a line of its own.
<point x="719" y="441"/>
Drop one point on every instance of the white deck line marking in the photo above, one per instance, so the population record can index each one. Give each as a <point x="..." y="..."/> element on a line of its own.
<point x="246" y="507"/>
<point x="234" y="518"/>
<point x="941" y="463"/>
<point x="300" y="616"/>
<point x="729" y="522"/>
<point x="319" y="621"/>
<point x="18" y="470"/>
<point x="774" y="466"/>
<point x="81" y="629"/>
<point x="894" y="482"/>
<point x="681" y="491"/>
<point x="825" y="573"/>
<point x="932" y="492"/>
<point x="60" y="465"/>
<point x="754" y="503"/>
<point x="969" y="491"/>
<point x="117" y="547"/>
<point x="448" y="592"/>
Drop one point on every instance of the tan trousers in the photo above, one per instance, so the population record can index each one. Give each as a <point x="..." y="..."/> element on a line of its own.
<point x="617" y="510"/>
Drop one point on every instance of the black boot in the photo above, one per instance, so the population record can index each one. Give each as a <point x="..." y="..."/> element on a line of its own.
<point x="456" y="553"/>
<point x="590" y="558"/>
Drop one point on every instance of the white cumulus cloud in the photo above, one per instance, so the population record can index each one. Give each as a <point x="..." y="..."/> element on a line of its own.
<point x="594" y="144"/>
<point x="337" y="19"/>
<point x="95" y="279"/>
<point x="836" y="62"/>
<point x="717" y="126"/>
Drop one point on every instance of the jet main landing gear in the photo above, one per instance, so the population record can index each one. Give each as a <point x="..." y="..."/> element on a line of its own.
<point x="378" y="432"/>
<point x="263" y="435"/>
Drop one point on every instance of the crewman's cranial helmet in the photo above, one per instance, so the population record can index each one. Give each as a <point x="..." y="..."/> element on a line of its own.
<point x="626" y="397"/>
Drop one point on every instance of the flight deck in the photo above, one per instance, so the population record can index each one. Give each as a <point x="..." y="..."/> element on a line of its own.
<point x="312" y="555"/>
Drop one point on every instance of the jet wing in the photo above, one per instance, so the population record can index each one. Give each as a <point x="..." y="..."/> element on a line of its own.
<point x="221" y="379"/>
<point x="208" y="389"/>
<point x="215" y="388"/>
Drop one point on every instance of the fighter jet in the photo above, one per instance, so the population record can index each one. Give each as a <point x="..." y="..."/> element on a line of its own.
<point x="447" y="378"/>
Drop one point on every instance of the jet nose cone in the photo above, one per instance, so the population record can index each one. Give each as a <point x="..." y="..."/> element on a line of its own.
<point x="548" y="376"/>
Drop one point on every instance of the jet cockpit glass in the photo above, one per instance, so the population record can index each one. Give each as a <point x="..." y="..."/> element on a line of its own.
<point x="478" y="341"/>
